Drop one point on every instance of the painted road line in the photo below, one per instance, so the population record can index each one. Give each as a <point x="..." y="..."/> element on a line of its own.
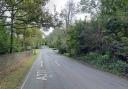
<point x="41" y="63"/>
<point x="41" y="75"/>
<point x="41" y="78"/>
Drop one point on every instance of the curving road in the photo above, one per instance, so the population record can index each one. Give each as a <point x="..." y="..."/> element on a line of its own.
<point x="54" y="71"/>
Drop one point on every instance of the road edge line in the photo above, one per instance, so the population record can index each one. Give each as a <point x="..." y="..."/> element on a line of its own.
<point x="27" y="76"/>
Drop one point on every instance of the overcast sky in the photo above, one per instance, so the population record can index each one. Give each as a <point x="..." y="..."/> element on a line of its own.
<point x="59" y="4"/>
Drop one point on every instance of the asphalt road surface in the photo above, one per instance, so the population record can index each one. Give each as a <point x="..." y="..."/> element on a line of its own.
<point x="54" y="71"/>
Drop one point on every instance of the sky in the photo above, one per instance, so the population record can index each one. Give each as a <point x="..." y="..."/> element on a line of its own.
<point x="60" y="4"/>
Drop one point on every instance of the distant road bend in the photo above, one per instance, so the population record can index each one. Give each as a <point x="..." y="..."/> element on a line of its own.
<point x="54" y="71"/>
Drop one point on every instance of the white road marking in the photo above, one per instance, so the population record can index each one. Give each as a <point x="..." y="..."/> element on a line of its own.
<point x="41" y="78"/>
<point x="41" y="63"/>
<point x="42" y="75"/>
<point x="37" y="74"/>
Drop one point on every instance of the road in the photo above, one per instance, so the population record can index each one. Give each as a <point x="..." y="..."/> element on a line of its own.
<point x="54" y="71"/>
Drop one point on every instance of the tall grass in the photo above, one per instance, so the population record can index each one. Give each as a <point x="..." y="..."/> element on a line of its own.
<point x="14" y="78"/>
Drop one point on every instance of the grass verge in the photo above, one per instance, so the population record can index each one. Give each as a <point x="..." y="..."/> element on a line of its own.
<point x="14" y="78"/>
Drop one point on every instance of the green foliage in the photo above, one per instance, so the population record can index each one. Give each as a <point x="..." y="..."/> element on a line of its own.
<point x="73" y="39"/>
<point x="57" y="39"/>
<point x="90" y="6"/>
<point x="33" y="38"/>
<point x="22" y="31"/>
<point x="105" y="62"/>
<point x="84" y="37"/>
<point x="94" y="58"/>
<point x="103" y="39"/>
<point x="4" y="41"/>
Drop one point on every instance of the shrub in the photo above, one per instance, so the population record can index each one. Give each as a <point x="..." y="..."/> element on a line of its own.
<point x="106" y="63"/>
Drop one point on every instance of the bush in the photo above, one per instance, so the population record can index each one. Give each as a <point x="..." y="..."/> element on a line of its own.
<point x="96" y="56"/>
<point x="106" y="63"/>
<point x="62" y="50"/>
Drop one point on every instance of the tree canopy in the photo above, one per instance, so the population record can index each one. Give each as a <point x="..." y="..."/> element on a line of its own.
<point x="17" y="17"/>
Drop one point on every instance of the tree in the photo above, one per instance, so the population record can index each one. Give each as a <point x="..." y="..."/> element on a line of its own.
<point x="91" y="7"/>
<point x="24" y="14"/>
<point x="33" y="38"/>
<point x="68" y="13"/>
<point x="57" y="22"/>
<point x="4" y="40"/>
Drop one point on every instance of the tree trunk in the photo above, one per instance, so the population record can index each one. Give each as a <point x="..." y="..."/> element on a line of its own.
<point x="12" y="30"/>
